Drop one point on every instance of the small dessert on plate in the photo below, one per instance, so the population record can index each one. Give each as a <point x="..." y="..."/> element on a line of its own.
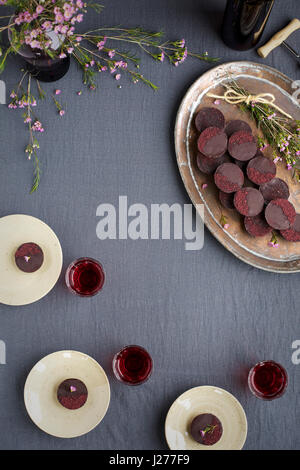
<point x="29" y="257"/>
<point x="242" y="145"/>
<point x="229" y="178"/>
<point x="280" y="214"/>
<point x="275" y="189"/>
<point x="72" y="394"/>
<point x="209" y="117"/>
<point x="209" y="165"/>
<point x="261" y="170"/>
<point x="249" y="201"/>
<point x="237" y="125"/>
<point x="257" y="226"/>
<point x="206" y="429"/>
<point x="212" y="142"/>
<point x="226" y="199"/>
<point x="292" y="234"/>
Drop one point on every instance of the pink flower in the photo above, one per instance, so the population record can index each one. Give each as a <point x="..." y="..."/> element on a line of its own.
<point x="70" y="50"/>
<point x="27" y="120"/>
<point x="62" y="55"/>
<point x="217" y="102"/>
<point x="59" y="18"/>
<point x="79" y="38"/>
<point x="101" y="44"/>
<point x="79" y="93"/>
<point x="57" y="92"/>
<point x="79" y="18"/>
<point x="111" y="53"/>
<point x="118" y="76"/>
<point x="68" y="15"/>
<point x="226" y="226"/>
<point x="204" y="185"/>
<point x="35" y="44"/>
<point x="64" y="29"/>
<point x="61" y="112"/>
<point x="27" y="17"/>
<point x="47" y="25"/>
<point x="39" y="9"/>
<point x="37" y="127"/>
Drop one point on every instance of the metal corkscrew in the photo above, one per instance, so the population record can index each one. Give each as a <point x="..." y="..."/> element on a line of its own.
<point x="280" y="39"/>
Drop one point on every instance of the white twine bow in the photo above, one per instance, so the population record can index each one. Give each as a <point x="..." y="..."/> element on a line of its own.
<point x="232" y="96"/>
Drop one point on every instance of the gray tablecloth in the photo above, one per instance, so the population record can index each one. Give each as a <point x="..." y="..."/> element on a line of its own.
<point x="205" y="316"/>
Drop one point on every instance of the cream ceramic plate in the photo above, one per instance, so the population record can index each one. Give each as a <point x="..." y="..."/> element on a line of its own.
<point x="40" y="394"/>
<point x="17" y="287"/>
<point x="206" y="399"/>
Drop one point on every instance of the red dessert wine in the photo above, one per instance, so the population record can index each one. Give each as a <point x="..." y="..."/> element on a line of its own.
<point x="132" y="365"/>
<point x="85" y="277"/>
<point x="267" y="380"/>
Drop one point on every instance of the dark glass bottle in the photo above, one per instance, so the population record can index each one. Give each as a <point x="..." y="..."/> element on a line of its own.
<point x="244" y="22"/>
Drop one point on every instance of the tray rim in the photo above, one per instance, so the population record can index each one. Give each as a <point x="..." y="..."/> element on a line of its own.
<point x="209" y="226"/>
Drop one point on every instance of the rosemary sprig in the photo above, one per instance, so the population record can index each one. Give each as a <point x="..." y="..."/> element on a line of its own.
<point x="280" y="132"/>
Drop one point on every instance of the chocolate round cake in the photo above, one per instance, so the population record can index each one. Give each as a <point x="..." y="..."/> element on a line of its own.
<point x="293" y="234"/>
<point x="257" y="226"/>
<point x="72" y="394"/>
<point x="261" y="170"/>
<point x="212" y="142"/>
<point x="209" y="165"/>
<point x="275" y="189"/>
<point x="280" y="214"/>
<point x="237" y="125"/>
<point x="206" y="429"/>
<point x="242" y="146"/>
<point x="209" y="117"/>
<point x="249" y="201"/>
<point x="29" y="257"/>
<point x="229" y="177"/>
<point x="226" y="199"/>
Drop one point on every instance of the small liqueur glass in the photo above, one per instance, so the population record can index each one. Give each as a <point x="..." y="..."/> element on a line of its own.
<point x="267" y="380"/>
<point x="132" y="365"/>
<point x="85" y="277"/>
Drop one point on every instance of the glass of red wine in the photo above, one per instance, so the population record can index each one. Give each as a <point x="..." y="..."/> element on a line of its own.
<point x="85" y="277"/>
<point x="132" y="365"/>
<point x="267" y="380"/>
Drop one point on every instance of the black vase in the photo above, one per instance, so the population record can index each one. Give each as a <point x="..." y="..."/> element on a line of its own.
<point x="244" y="22"/>
<point x="40" y="65"/>
<point x="45" y="69"/>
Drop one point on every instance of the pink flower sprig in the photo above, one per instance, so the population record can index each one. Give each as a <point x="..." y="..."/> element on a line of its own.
<point x="95" y="51"/>
<point x="279" y="131"/>
<point x="59" y="107"/>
